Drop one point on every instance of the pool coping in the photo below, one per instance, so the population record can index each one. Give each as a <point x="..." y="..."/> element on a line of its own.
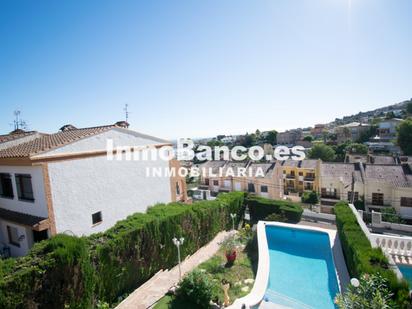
<point x="262" y="277"/>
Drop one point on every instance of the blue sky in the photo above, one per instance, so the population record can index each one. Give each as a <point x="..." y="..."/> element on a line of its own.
<point x="201" y="68"/>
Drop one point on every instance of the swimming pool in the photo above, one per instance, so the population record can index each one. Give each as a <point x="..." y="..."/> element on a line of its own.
<point x="302" y="272"/>
<point x="296" y="268"/>
<point x="406" y="271"/>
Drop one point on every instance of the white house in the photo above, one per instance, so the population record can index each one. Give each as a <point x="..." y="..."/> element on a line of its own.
<point x="64" y="183"/>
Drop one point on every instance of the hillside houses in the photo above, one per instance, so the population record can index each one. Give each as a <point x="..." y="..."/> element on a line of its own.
<point x="379" y="182"/>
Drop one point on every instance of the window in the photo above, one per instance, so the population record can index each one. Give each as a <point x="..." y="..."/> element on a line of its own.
<point x="308" y="186"/>
<point x="97" y="217"/>
<point x="377" y="199"/>
<point x="328" y="192"/>
<point x="300" y="173"/>
<point x="24" y="187"/>
<point x="6" y="187"/>
<point x="250" y="187"/>
<point x="215" y="182"/>
<point x="406" y="201"/>
<point x="356" y="198"/>
<point x="264" y="189"/>
<point x="177" y="189"/>
<point x="13" y="234"/>
<point x="206" y="181"/>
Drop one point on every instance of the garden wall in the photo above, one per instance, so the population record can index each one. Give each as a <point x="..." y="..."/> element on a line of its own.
<point x="260" y="208"/>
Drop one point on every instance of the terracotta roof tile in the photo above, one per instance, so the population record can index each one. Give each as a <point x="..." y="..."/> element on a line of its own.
<point x="11" y="137"/>
<point x="390" y="174"/>
<point x="51" y="141"/>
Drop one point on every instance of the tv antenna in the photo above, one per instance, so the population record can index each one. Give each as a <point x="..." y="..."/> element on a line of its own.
<point x="18" y="122"/>
<point x="126" y="112"/>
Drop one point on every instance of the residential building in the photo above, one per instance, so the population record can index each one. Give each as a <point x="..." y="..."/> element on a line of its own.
<point x="300" y="176"/>
<point x="339" y="180"/>
<point x="263" y="179"/>
<point x="319" y="130"/>
<point x="388" y="186"/>
<point x="65" y="183"/>
<point x="351" y="131"/>
<point x="289" y="137"/>
<point x="387" y="129"/>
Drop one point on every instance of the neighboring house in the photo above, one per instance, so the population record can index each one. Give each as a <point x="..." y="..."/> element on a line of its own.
<point x="289" y="137"/>
<point x="300" y="176"/>
<point x="64" y="183"/>
<point x="351" y="131"/>
<point x="389" y="186"/>
<point x="319" y="130"/>
<point x="387" y="129"/>
<point x="263" y="179"/>
<point x="17" y="137"/>
<point x="269" y="185"/>
<point x="339" y="180"/>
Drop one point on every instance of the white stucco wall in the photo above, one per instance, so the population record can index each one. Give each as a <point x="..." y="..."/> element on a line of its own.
<point x="117" y="188"/>
<point x="120" y="137"/>
<point x="36" y="208"/>
<point x="25" y="233"/>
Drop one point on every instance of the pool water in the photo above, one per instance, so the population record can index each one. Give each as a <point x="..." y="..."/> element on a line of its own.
<point x="406" y="273"/>
<point x="302" y="271"/>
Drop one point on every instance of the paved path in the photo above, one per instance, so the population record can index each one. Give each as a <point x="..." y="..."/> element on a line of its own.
<point x="154" y="289"/>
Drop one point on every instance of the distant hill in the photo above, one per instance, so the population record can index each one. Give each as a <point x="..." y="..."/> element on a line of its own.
<point x="397" y="108"/>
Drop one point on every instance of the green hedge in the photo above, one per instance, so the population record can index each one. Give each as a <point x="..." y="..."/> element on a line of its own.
<point x="260" y="208"/>
<point x="72" y="272"/>
<point x="361" y="258"/>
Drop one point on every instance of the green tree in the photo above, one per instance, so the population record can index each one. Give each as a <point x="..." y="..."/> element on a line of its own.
<point x="271" y="137"/>
<point x="308" y="138"/>
<point x="372" y="293"/>
<point x="340" y="151"/>
<point x="409" y="107"/>
<point x="248" y="140"/>
<point x="405" y="136"/>
<point x="357" y="148"/>
<point x="366" y="135"/>
<point x="390" y="115"/>
<point x="323" y="152"/>
<point x="310" y="197"/>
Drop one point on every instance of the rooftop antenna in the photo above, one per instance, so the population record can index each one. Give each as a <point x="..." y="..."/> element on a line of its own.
<point x="126" y="112"/>
<point x="18" y="122"/>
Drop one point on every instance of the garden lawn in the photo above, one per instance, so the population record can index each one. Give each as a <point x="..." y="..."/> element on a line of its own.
<point x="215" y="268"/>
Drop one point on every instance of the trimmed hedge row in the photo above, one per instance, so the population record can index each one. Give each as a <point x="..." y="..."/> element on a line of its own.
<point x="72" y="272"/>
<point x="361" y="258"/>
<point x="261" y="207"/>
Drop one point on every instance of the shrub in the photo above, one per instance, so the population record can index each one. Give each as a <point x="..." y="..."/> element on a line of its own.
<point x="196" y="288"/>
<point x="359" y="204"/>
<point x="276" y="217"/>
<point x="310" y="197"/>
<point x="261" y="207"/>
<point x="56" y="274"/>
<point x="372" y="292"/>
<point x="361" y="258"/>
<point x="79" y="271"/>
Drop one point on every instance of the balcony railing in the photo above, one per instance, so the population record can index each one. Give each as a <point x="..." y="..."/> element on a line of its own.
<point x="309" y="178"/>
<point x="290" y="176"/>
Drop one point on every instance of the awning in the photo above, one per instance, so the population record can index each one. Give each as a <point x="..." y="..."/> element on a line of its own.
<point x="34" y="222"/>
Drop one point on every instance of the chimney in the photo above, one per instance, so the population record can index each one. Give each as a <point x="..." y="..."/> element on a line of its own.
<point x="67" y="127"/>
<point x="122" y="124"/>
